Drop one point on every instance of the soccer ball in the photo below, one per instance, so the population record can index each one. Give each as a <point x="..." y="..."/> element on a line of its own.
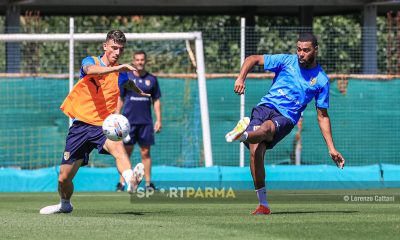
<point x="116" y="127"/>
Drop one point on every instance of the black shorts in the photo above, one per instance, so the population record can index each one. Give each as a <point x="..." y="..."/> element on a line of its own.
<point x="143" y="134"/>
<point x="283" y="125"/>
<point x="81" y="140"/>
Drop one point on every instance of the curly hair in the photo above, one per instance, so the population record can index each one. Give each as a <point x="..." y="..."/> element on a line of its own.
<point x="308" y="37"/>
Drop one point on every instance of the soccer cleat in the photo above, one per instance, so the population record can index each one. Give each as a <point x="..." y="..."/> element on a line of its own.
<point x="238" y="130"/>
<point x="53" y="209"/>
<point x="120" y="187"/>
<point x="261" y="210"/>
<point x="127" y="139"/>
<point x="138" y="173"/>
<point x="150" y="187"/>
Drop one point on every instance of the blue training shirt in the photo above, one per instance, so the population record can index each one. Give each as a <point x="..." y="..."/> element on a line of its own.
<point x="294" y="87"/>
<point x="138" y="108"/>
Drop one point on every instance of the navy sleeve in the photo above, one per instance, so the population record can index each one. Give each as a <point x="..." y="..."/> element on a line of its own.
<point x="122" y="79"/>
<point x="156" y="92"/>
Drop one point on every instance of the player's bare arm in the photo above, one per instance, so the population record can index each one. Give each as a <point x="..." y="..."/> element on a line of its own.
<point x="157" y="111"/>
<point x="325" y="127"/>
<point x="99" y="70"/>
<point x="248" y="64"/>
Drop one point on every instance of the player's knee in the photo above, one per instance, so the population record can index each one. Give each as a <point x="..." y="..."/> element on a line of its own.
<point x="64" y="179"/>
<point x="145" y="152"/>
<point x="118" y="151"/>
<point x="146" y="155"/>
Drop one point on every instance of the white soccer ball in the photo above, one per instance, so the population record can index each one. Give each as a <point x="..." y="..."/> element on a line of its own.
<point x="116" y="127"/>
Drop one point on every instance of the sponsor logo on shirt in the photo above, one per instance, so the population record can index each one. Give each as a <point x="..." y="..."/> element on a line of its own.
<point x="147" y="82"/>
<point x="143" y="99"/>
<point x="95" y="84"/>
<point x="287" y="97"/>
<point x="313" y="81"/>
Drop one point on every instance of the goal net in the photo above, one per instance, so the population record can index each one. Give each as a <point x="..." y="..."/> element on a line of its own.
<point x="39" y="70"/>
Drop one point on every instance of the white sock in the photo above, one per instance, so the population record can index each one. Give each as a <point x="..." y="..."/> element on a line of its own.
<point x="127" y="175"/>
<point x="243" y="137"/>
<point x="262" y="196"/>
<point x="65" y="203"/>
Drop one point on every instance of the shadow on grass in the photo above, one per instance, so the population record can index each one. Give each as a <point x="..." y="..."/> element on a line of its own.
<point x="131" y="213"/>
<point x="311" y="212"/>
<point x="138" y="213"/>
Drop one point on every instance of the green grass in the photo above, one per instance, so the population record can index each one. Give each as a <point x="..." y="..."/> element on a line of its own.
<point x="319" y="215"/>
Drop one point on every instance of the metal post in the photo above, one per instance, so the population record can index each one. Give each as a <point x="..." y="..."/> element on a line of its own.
<point x="71" y="56"/>
<point x="242" y="99"/>
<point x="13" y="49"/>
<point x="203" y="101"/>
<point x="369" y="39"/>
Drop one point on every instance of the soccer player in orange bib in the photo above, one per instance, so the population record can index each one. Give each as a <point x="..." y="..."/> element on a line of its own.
<point x="92" y="99"/>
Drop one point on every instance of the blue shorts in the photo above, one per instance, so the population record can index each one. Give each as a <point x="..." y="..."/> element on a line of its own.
<point x="82" y="138"/>
<point x="283" y="125"/>
<point x="143" y="134"/>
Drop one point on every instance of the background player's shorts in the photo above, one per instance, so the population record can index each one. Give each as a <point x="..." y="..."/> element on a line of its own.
<point x="283" y="125"/>
<point x="81" y="140"/>
<point x="143" y="134"/>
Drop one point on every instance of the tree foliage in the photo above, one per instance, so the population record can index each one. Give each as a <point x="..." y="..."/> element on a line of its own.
<point x="340" y="40"/>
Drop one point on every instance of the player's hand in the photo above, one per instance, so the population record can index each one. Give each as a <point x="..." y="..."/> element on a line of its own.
<point x="143" y="94"/>
<point x="135" y="70"/>
<point x="157" y="127"/>
<point x="126" y="68"/>
<point x="239" y="87"/>
<point x="337" y="158"/>
<point x="130" y="84"/>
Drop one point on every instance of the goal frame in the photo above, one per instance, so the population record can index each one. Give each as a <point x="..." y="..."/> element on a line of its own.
<point x="175" y="36"/>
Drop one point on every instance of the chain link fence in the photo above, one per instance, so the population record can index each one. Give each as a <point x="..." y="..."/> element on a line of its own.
<point x="361" y="108"/>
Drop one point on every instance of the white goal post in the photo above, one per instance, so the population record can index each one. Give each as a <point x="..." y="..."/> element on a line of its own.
<point x="87" y="37"/>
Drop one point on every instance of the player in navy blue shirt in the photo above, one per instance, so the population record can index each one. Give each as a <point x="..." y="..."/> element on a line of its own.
<point x="138" y="111"/>
<point x="298" y="79"/>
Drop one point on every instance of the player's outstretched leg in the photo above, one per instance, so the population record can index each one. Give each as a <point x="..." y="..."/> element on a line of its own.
<point x="132" y="177"/>
<point x="238" y="130"/>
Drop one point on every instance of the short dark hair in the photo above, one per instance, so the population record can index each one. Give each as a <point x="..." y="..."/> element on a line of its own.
<point x="117" y="35"/>
<point x="308" y="37"/>
<point x="140" y="52"/>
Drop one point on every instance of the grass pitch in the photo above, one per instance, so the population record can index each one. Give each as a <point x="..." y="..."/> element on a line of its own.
<point x="114" y="216"/>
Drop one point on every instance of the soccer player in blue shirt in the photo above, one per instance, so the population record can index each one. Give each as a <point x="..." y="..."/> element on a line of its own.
<point x="138" y="111"/>
<point x="298" y="79"/>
